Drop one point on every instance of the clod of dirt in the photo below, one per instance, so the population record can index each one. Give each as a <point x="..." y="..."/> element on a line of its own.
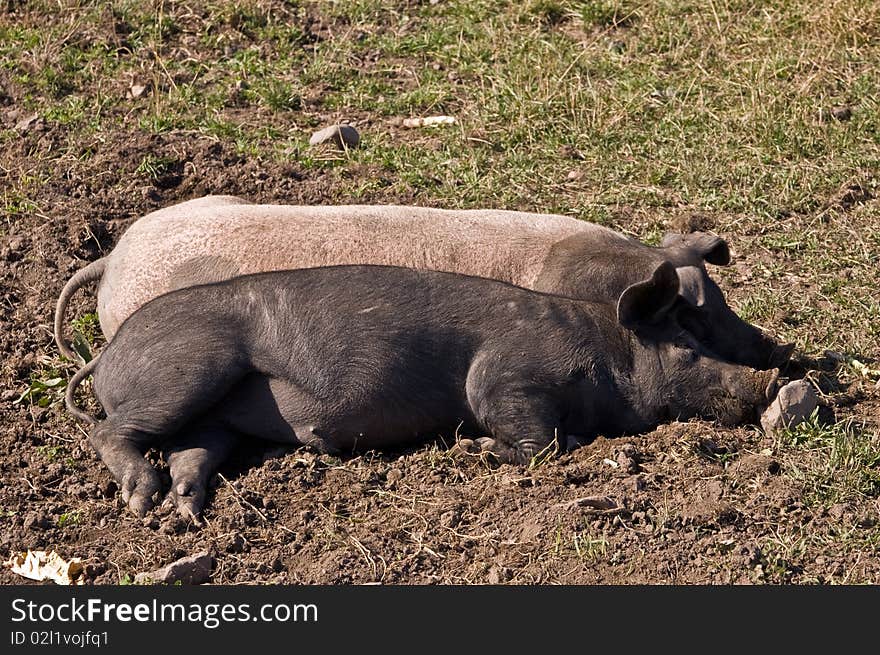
<point x="692" y="222"/>
<point x="193" y="569"/>
<point x="498" y="575"/>
<point x="627" y="461"/>
<point x="599" y="503"/>
<point x="851" y="195"/>
<point x="570" y="152"/>
<point x="394" y="475"/>
<point x="109" y="488"/>
<point x="836" y="113"/>
<point x="794" y="404"/>
<point x="755" y="465"/>
<point x="343" y="136"/>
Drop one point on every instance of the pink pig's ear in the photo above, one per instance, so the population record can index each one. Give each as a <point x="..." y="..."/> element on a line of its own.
<point x="709" y="247"/>
<point x="649" y="300"/>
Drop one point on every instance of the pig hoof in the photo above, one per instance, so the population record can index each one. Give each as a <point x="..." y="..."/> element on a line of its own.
<point x="189" y="500"/>
<point x="463" y="447"/>
<point x="486" y="444"/>
<point x="140" y="490"/>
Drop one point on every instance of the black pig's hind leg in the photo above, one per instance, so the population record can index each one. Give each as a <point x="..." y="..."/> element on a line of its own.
<point x="122" y="450"/>
<point x="196" y="453"/>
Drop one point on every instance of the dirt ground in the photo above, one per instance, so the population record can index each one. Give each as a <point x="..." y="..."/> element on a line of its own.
<point x="687" y="503"/>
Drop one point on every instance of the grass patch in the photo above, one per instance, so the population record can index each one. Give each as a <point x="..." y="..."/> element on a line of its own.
<point x="51" y="453"/>
<point x="834" y="463"/>
<point x="68" y="519"/>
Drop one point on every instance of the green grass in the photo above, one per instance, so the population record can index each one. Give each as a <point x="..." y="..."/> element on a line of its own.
<point x="68" y="518"/>
<point x="667" y="104"/>
<point x="86" y="334"/>
<point x="834" y="463"/>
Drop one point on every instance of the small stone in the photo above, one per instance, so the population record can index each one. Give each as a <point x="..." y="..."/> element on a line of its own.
<point x="343" y="136"/>
<point x="627" y="462"/>
<point x="841" y="113"/>
<point x="136" y="91"/>
<point x="599" y="503"/>
<point x="173" y="524"/>
<point x="28" y="122"/>
<point x="570" y="152"/>
<point x="838" y="511"/>
<point x="794" y="404"/>
<point x="37" y="520"/>
<point x="428" y="121"/>
<point x="574" y="175"/>
<point x="450" y="519"/>
<point x="494" y="576"/>
<point x="486" y="444"/>
<point x="637" y="483"/>
<point x="190" y="570"/>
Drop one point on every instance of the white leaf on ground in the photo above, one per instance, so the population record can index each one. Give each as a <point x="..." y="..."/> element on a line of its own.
<point x="42" y="565"/>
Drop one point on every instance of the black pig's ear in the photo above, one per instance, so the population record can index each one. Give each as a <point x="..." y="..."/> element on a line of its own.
<point x="709" y="247"/>
<point x="648" y="301"/>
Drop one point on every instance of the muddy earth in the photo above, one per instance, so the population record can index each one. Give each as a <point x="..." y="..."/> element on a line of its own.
<point x="687" y="503"/>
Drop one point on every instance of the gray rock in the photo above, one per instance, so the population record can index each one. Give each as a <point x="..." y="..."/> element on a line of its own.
<point x="193" y="569"/>
<point x="344" y="136"/>
<point x="793" y="404"/>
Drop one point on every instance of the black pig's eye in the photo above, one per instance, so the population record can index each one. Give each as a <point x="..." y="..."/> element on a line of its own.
<point x="691" y="320"/>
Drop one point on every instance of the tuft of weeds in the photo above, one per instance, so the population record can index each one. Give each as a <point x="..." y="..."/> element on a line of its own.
<point x="46" y="388"/>
<point x="51" y="452"/>
<point x="589" y="548"/>
<point x="154" y="168"/>
<point x="68" y="519"/>
<point x="86" y="335"/>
